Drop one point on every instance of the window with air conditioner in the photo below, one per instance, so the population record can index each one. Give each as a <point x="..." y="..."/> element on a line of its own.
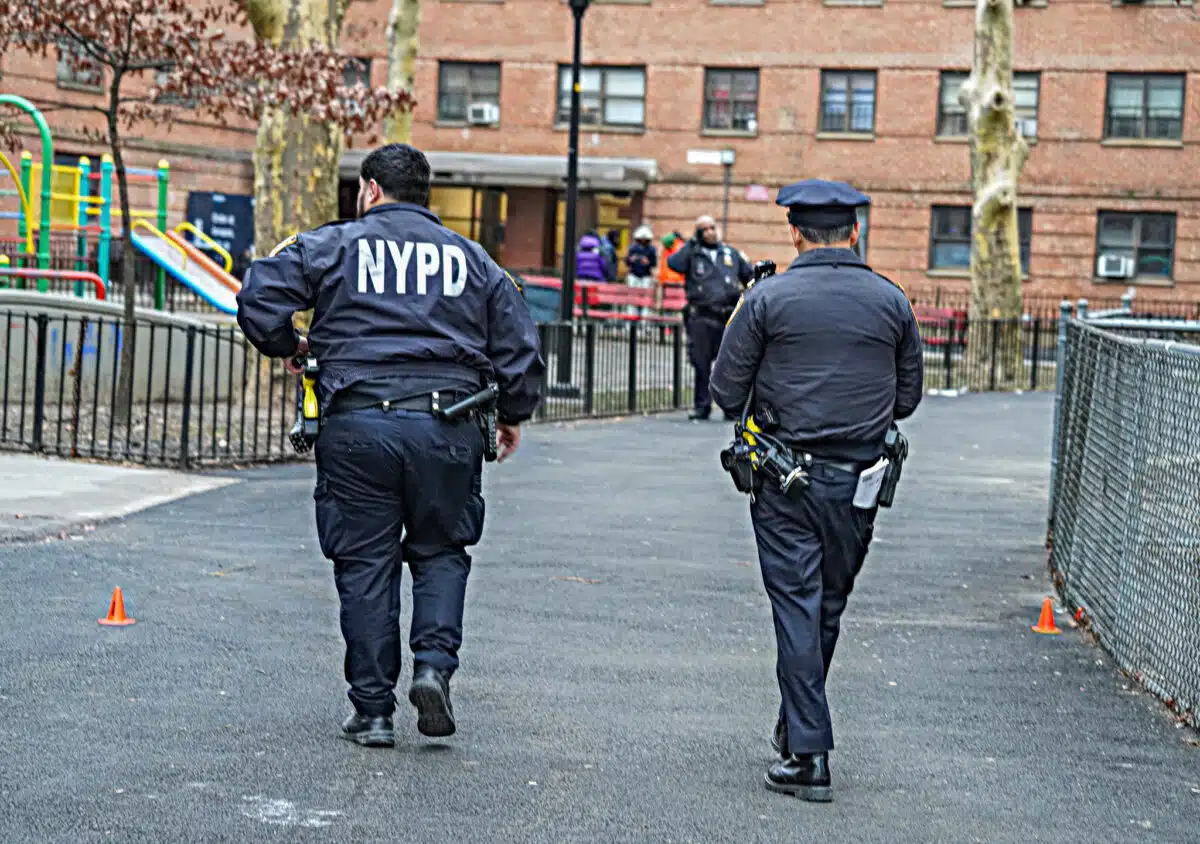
<point x="465" y="89"/>
<point x="952" y="115"/>
<point x="1135" y="245"/>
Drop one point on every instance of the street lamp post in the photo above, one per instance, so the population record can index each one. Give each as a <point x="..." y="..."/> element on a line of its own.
<point x="567" y="304"/>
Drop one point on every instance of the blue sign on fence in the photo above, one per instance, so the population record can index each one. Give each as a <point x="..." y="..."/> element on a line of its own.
<point x="226" y="218"/>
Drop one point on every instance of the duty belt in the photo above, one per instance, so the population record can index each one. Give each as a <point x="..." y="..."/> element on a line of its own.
<point x="426" y="402"/>
<point x="851" y="466"/>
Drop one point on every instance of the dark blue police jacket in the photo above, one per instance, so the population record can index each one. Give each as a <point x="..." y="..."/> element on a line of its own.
<point x="396" y="295"/>
<point x="832" y="346"/>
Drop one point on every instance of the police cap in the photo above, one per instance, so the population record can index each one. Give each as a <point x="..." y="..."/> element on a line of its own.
<point x="818" y="204"/>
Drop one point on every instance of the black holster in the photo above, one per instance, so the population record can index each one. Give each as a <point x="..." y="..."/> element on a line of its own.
<point x="895" y="448"/>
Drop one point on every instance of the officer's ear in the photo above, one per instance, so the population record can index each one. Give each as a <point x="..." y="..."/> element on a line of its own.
<point x="854" y="235"/>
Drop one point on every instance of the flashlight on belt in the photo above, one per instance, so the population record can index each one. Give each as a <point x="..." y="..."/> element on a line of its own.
<point x="308" y="421"/>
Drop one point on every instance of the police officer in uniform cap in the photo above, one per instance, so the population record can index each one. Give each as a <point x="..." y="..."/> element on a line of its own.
<point x="714" y="274"/>
<point x="831" y="350"/>
<point x="409" y="317"/>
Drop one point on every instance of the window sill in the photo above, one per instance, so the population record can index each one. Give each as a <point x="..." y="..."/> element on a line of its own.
<point x="951" y="139"/>
<point x="1139" y="282"/>
<point x="845" y="136"/>
<point x="593" y="2"/>
<point x="936" y="273"/>
<point x="727" y="133"/>
<point x="463" y="124"/>
<point x="735" y="2"/>
<point x="474" y="1"/>
<point x="79" y="86"/>
<point x="1161" y="143"/>
<point x="603" y="130"/>
<point x="1153" y="3"/>
<point x="853" y="2"/>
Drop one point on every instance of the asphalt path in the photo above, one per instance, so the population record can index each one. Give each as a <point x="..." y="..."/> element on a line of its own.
<point x="618" y="671"/>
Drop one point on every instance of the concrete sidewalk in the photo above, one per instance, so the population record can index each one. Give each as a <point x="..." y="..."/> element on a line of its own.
<point x="618" y="679"/>
<point x="46" y="497"/>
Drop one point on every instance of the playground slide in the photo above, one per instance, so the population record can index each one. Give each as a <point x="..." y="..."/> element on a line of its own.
<point x="195" y="271"/>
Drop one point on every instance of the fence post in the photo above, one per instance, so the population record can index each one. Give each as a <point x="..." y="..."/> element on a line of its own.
<point x="1037" y="344"/>
<point x="1081" y="309"/>
<point x="188" y="365"/>
<point x="589" y="368"/>
<point x="948" y="357"/>
<point x="39" y="382"/>
<point x="995" y="351"/>
<point x="543" y="330"/>
<point x="1060" y="358"/>
<point x="677" y="367"/>
<point x="633" y="343"/>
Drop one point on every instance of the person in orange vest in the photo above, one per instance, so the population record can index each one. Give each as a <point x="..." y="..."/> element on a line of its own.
<point x="672" y="243"/>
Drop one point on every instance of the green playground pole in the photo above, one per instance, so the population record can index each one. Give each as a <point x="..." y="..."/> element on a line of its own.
<point x="47" y="166"/>
<point x="160" y="285"/>
<point x="24" y="225"/>
<point x="85" y="170"/>
<point x="106" y="173"/>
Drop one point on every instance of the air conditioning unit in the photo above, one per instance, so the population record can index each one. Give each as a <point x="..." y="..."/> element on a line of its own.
<point x="1112" y="265"/>
<point x="483" y="114"/>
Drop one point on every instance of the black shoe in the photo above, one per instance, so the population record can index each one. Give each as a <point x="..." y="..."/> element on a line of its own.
<point x="805" y="776"/>
<point x="698" y="415"/>
<point x="430" y="694"/>
<point x="779" y="737"/>
<point x="369" y="731"/>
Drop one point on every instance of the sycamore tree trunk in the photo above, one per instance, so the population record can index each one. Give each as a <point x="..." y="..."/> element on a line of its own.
<point x="995" y="348"/>
<point x="122" y="412"/>
<point x="403" y="25"/>
<point x="296" y="159"/>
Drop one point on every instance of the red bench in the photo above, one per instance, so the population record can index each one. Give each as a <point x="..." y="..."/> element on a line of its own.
<point x="941" y="325"/>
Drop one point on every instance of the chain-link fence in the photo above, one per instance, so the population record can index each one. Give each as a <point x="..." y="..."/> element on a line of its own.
<point x="1124" y="527"/>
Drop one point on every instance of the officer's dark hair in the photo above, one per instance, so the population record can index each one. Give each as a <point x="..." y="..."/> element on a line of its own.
<point x="401" y="171"/>
<point x="838" y="235"/>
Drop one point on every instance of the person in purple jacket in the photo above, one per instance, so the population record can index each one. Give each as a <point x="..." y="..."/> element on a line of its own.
<point x="589" y="261"/>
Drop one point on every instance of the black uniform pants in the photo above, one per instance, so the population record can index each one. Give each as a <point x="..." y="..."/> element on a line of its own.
<point x="810" y="553"/>
<point x="703" y="342"/>
<point x="395" y="486"/>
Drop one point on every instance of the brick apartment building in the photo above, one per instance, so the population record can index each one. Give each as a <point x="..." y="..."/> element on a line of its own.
<point x="859" y="90"/>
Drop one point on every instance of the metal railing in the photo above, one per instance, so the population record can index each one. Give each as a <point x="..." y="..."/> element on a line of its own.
<point x="1124" y="516"/>
<point x="202" y="395"/>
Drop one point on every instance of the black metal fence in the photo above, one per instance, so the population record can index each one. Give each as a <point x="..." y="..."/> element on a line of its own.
<point x="1124" y="523"/>
<point x="202" y="395"/>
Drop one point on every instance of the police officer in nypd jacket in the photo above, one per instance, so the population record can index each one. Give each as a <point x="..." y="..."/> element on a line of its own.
<point x="834" y="349"/>
<point x="714" y="275"/>
<point x="403" y="307"/>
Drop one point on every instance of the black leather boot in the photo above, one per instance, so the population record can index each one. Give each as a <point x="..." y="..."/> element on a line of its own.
<point x="779" y="737"/>
<point x="430" y="694"/>
<point x="805" y="776"/>
<point x="369" y="731"/>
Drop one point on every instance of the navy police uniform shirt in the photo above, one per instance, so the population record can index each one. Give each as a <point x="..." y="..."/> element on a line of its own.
<point x="830" y="344"/>
<point x="713" y="275"/>
<point x="396" y="293"/>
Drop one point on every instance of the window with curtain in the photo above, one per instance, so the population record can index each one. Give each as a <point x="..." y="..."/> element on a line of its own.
<point x="731" y="100"/>
<point x="1144" y="105"/>
<point x="608" y="96"/>
<point x="848" y="101"/>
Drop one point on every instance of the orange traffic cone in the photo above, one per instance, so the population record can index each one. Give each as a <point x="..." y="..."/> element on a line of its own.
<point x="116" y="611"/>
<point x="1046" y="622"/>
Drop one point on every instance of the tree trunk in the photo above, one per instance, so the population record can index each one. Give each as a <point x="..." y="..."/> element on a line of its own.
<point x="995" y="353"/>
<point x="122" y="412"/>
<point x="403" y="25"/>
<point x="296" y="160"/>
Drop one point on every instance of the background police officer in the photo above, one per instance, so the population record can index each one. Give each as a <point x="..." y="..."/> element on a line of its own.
<point x="714" y="274"/>
<point x="835" y="350"/>
<point x="404" y="308"/>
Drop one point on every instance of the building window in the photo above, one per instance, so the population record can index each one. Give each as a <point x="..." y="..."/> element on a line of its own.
<point x="463" y="84"/>
<point x="952" y="115"/>
<point x="731" y="100"/>
<point x="1144" y="105"/>
<point x="357" y="72"/>
<point x="1142" y="245"/>
<point x="76" y="69"/>
<point x="848" y="101"/>
<point x="950" y="237"/>
<point x="608" y="96"/>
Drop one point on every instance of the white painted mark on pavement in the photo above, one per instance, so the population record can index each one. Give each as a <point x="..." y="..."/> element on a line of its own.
<point x="285" y="813"/>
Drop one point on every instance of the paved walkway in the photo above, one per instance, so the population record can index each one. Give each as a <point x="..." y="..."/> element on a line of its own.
<point x="618" y="674"/>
